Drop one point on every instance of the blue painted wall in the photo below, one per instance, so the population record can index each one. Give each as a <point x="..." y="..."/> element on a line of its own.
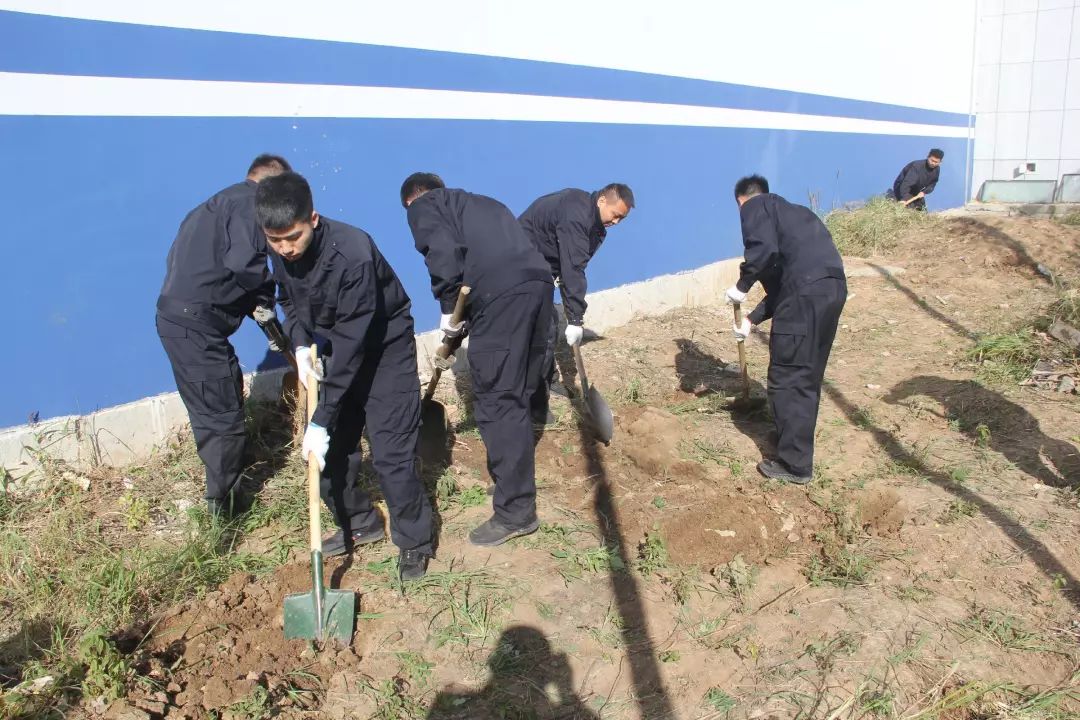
<point x="96" y="200"/>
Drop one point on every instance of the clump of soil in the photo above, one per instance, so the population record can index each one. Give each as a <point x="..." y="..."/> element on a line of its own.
<point x="210" y="654"/>
<point x="881" y="512"/>
<point x="653" y="438"/>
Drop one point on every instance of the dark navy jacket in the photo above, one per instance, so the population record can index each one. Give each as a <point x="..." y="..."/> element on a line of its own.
<point x="786" y="247"/>
<point x="472" y="240"/>
<point x="566" y="228"/>
<point x="216" y="271"/>
<point x="344" y="290"/>
<point x="915" y="178"/>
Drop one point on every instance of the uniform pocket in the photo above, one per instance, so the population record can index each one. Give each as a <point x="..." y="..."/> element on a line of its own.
<point x="489" y="370"/>
<point x="219" y="389"/>
<point x="222" y="395"/>
<point x="787" y="342"/>
<point x="167" y="328"/>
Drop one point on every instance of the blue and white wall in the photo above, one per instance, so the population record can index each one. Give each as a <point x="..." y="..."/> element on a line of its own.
<point x="118" y="116"/>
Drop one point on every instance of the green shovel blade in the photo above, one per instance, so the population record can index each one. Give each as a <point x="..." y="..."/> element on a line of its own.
<point x="303" y="618"/>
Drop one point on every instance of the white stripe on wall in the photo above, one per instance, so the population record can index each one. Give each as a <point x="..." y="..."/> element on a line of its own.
<point x="35" y="94"/>
<point x="842" y="48"/>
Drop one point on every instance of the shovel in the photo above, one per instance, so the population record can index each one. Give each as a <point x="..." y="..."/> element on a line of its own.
<point x="744" y="402"/>
<point x="321" y="613"/>
<point x="433" y="423"/>
<point x="603" y="421"/>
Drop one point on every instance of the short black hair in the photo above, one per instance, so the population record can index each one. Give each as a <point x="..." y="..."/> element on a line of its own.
<point x="269" y="162"/>
<point x="751" y="185"/>
<point x="419" y="182"/>
<point x="620" y="191"/>
<point x="936" y="153"/>
<point x="283" y="200"/>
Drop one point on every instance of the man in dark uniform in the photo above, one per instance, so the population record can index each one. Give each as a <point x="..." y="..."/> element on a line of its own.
<point x="790" y="251"/>
<point x="568" y="227"/>
<point x="216" y="273"/>
<point x="334" y="281"/>
<point x="473" y="240"/>
<point x="917" y="180"/>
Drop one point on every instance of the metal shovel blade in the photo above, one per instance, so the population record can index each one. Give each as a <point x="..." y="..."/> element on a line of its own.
<point x="602" y="418"/>
<point x="434" y="430"/>
<point x="603" y="422"/>
<point x="320" y="613"/>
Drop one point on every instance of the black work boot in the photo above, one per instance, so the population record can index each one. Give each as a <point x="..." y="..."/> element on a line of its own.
<point x="338" y="544"/>
<point x="776" y="470"/>
<point x="495" y="532"/>
<point x="412" y="565"/>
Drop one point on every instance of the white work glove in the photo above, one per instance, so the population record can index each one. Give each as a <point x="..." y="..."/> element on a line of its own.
<point x="735" y="295"/>
<point x="304" y="368"/>
<point x="451" y="331"/>
<point x="317" y="441"/>
<point x="263" y="314"/>
<point x="574" y="333"/>
<point x="742" y="331"/>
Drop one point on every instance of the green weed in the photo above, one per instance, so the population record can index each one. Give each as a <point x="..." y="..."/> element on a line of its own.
<point x="1006" y="357"/>
<point x="256" y="706"/>
<point x="106" y="672"/>
<point x="392" y="700"/>
<point x="999" y="628"/>
<point x="719" y="700"/>
<point x="959" y="475"/>
<point x="957" y="510"/>
<point x="465" y="606"/>
<point x="652" y="553"/>
<point x="632" y="393"/>
<point x="472" y="496"/>
<point x="415" y="668"/>
<point x="738" y="577"/>
<point x="839" y="566"/>
<point x="910" y="651"/>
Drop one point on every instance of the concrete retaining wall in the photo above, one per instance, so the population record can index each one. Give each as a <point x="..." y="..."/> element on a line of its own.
<point x="130" y="432"/>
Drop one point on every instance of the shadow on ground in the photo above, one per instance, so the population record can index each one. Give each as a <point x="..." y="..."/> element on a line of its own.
<point x="528" y="679"/>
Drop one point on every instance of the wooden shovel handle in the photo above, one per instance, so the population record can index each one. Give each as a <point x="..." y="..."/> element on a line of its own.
<point x="447" y="348"/>
<point x="581" y="370"/>
<point x="742" y="353"/>
<point x="314" y="475"/>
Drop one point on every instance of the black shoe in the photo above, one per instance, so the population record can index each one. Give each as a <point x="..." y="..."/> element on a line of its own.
<point x="494" y="532"/>
<point x="412" y="565"/>
<point x="776" y="470"/>
<point x="337" y="544"/>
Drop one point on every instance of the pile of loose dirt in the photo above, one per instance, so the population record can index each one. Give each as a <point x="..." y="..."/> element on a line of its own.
<point x="229" y="648"/>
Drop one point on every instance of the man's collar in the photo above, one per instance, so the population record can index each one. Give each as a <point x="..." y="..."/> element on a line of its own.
<point x="598" y="222"/>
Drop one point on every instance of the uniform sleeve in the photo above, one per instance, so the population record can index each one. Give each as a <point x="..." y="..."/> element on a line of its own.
<point x="245" y="257"/>
<point x="764" y="310"/>
<point x="443" y="254"/>
<point x="910" y="179"/>
<point x="572" y="236"/>
<point x="761" y="246"/>
<point x="298" y="335"/>
<point x="356" y="303"/>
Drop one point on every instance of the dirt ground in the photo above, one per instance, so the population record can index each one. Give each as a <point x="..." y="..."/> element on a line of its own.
<point x="933" y="557"/>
